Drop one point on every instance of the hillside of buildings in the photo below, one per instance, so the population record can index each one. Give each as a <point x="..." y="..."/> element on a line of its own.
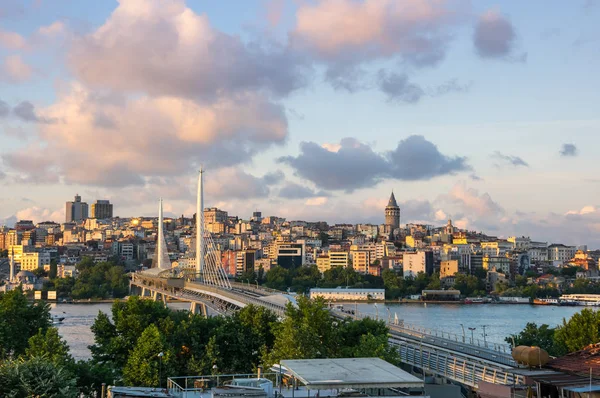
<point x="296" y="255"/>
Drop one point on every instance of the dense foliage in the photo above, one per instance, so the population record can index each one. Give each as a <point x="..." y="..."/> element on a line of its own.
<point x="34" y="360"/>
<point x="191" y="344"/>
<point x="19" y="321"/>
<point x="573" y="335"/>
<point x="95" y="281"/>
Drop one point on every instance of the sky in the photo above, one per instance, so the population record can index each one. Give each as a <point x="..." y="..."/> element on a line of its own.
<point x="480" y="111"/>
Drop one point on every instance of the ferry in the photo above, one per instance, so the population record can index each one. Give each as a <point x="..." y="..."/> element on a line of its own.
<point x="588" y="300"/>
<point x="546" y="301"/>
<point x="474" y="300"/>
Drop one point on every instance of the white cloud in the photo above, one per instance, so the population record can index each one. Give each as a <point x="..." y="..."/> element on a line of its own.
<point x="118" y="141"/>
<point x="162" y="47"/>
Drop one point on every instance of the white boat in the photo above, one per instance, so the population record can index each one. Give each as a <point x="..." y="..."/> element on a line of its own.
<point x="588" y="300"/>
<point x="57" y="320"/>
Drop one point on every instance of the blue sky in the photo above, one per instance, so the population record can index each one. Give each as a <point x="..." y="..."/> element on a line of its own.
<point x="123" y="100"/>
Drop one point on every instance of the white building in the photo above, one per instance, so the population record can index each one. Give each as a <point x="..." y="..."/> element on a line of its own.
<point x="348" y="294"/>
<point x="560" y="253"/>
<point x="413" y="263"/>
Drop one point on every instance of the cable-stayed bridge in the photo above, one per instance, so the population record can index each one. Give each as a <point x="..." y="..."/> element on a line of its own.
<point x="207" y="288"/>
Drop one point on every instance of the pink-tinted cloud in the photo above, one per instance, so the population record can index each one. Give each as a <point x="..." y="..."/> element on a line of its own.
<point x="115" y="142"/>
<point x="12" y="40"/>
<point x="162" y="47"/>
<point x="342" y="31"/>
<point x="15" y="70"/>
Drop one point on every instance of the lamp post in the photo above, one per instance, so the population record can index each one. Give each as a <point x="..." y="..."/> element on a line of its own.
<point x="484" y="340"/>
<point x="463" y="330"/>
<point x="376" y="309"/>
<point x="472" y="338"/>
<point x="160" y="356"/>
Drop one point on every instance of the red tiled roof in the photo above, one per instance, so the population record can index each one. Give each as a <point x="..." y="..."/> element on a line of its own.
<point x="579" y="362"/>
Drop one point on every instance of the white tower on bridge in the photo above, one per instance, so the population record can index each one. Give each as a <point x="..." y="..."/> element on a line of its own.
<point x="161" y="256"/>
<point x="200" y="225"/>
<point x="209" y="268"/>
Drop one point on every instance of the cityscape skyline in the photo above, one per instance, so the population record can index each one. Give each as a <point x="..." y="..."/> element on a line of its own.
<point x="479" y="112"/>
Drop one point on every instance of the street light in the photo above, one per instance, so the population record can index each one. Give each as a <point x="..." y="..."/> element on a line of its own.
<point x="472" y="338"/>
<point x="160" y="355"/>
<point x="376" y="309"/>
<point x="484" y="340"/>
<point x="463" y="329"/>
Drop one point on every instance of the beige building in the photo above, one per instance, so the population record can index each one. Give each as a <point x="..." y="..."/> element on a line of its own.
<point x="333" y="259"/>
<point x="323" y="263"/>
<point x="448" y="268"/>
<point x="360" y="261"/>
<point x="33" y="261"/>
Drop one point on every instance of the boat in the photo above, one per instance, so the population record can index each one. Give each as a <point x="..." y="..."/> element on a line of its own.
<point x="57" y="320"/>
<point x="474" y="300"/>
<point x="546" y="301"/>
<point x="588" y="300"/>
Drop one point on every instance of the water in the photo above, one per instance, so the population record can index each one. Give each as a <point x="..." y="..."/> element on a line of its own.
<point x="499" y="320"/>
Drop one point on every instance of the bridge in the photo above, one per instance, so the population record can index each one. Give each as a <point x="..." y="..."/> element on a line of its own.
<point x="434" y="352"/>
<point x="207" y="287"/>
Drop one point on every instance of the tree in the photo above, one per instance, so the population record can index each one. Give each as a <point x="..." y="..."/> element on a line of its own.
<point x="39" y="273"/>
<point x="20" y="320"/>
<point x="469" y="285"/>
<point x="376" y="346"/>
<point x="580" y="331"/>
<point x="53" y="269"/>
<point x="535" y="336"/>
<point x="51" y="346"/>
<point x="278" y="278"/>
<point x="324" y="237"/>
<point x="143" y="367"/>
<point x="306" y="332"/>
<point x="114" y="340"/>
<point x="36" y="377"/>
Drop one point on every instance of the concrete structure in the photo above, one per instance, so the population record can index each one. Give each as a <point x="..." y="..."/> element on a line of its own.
<point x="348" y="294"/>
<point x="413" y="263"/>
<point x="161" y="256"/>
<point x="345" y="373"/>
<point x="497" y="263"/>
<point x="76" y="210"/>
<point x="392" y="213"/>
<point x="102" y="209"/>
<point x="290" y="255"/>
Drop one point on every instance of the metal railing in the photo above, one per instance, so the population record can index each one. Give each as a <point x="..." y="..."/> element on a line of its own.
<point x="180" y="386"/>
<point x="495" y="353"/>
<point x="460" y="369"/>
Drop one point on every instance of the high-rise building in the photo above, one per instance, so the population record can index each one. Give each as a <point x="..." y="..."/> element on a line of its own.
<point x="392" y="213"/>
<point x="102" y="209"/>
<point x="76" y="210"/>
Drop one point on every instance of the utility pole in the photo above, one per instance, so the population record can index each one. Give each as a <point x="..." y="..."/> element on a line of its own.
<point x="472" y="336"/>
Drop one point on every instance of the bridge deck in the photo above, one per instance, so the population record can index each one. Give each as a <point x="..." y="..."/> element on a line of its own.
<point x="460" y="361"/>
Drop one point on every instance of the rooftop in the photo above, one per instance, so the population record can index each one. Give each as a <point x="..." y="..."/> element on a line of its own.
<point x="323" y="374"/>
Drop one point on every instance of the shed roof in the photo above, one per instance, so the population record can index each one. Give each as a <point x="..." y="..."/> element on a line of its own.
<point x="322" y="374"/>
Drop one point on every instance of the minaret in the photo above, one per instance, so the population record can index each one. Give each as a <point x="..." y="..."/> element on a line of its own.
<point x="12" y="266"/>
<point x="392" y="213"/>
<point x="200" y="225"/>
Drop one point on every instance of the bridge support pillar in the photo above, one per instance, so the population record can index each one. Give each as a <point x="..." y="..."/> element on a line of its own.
<point x="198" y="308"/>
